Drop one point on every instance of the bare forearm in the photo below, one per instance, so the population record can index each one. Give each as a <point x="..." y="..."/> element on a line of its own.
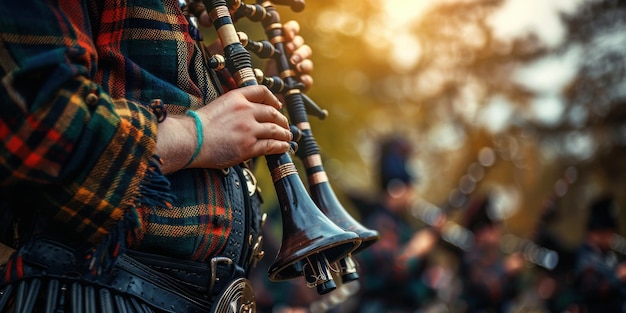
<point x="176" y="142"/>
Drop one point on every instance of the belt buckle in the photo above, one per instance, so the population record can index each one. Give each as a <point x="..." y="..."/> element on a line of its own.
<point x="238" y="297"/>
<point x="214" y="262"/>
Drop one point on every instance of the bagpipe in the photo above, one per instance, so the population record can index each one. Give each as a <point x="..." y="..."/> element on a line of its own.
<point x="462" y="237"/>
<point x="319" y="235"/>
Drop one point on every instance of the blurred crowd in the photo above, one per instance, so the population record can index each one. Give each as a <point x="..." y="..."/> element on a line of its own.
<point x="470" y="266"/>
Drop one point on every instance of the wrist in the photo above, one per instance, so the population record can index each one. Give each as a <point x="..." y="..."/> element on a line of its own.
<point x="176" y="142"/>
<point x="199" y="137"/>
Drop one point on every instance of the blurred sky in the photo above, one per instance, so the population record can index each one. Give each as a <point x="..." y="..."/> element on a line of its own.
<point x="514" y="19"/>
<point x="409" y="95"/>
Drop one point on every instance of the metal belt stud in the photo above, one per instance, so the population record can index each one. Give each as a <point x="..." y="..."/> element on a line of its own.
<point x="250" y="180"/>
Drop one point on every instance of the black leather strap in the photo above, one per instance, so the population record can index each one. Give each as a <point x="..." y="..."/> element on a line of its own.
<point x="134" y="278"/>
<point x="235" y="188"/>
<point x="196" y="277"/>
<point x="246" y="217"/>
<point x="44" y="261"/>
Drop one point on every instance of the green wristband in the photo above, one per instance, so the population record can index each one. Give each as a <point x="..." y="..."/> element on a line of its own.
<point x="199" y="134"/>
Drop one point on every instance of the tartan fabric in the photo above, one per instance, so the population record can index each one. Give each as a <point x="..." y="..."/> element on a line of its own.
<point x="149" y="50"/>
<point x="76" y="129"/>
<point x="194" y="226"/>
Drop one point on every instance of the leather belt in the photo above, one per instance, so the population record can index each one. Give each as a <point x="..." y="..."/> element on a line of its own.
<point x="47" y="265"/>
<point x="200" y="278"/>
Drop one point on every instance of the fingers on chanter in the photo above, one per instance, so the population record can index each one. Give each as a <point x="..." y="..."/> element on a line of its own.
<point x="261" y="94"/>
<point x="298" y="50"/>
<point x="272" y="116"/>
<point x="273" y="131"/>
<point x="307" y="81"/>
<point x="305" y="67"/>
<point x="291" y="29"/>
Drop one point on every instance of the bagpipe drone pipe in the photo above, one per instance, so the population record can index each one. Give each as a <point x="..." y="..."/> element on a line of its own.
<point x="319" y="235"/>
